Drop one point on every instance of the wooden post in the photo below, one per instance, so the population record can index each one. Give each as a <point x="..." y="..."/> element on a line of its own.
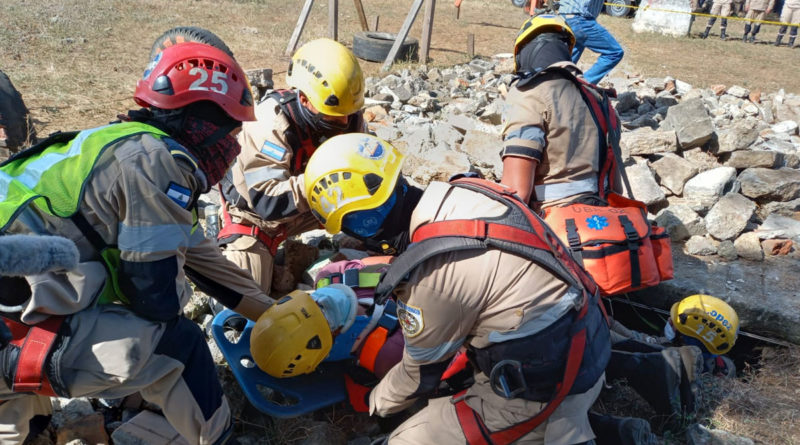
<point x="333" y="19"/>
<point x="471" y="45"/>
<point x="376" y="22"/>
<point x="361" y="16"/>
<point x="427" y="28"/>
<point x="401" y="36"/>
<point x="298" y="29"/>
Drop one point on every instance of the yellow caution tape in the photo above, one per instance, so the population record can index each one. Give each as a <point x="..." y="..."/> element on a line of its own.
<point x="702" y="14"/>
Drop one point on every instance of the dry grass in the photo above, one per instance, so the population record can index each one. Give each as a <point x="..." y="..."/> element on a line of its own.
<point x="761" y="404"/>
<point x="76" y="63"/>
<point x="764" y="404"/>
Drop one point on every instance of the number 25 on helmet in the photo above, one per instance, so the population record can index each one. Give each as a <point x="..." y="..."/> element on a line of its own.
<point x="191" y="72"/>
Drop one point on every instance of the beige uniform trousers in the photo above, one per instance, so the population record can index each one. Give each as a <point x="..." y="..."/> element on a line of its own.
<point x="253" y="256"/>
<point x="111" y="354"/>
<point x="438" y="424"/>
<point x="790" y="15"/>
<point x="721" y="8"/>
<point x="753" y="14"/>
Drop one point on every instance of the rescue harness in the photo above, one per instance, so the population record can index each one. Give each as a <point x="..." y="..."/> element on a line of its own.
<point x="572" y="364"/>
<point x="34" y="343"/>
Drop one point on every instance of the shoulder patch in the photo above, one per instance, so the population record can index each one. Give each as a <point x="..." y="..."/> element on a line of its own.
<point x="180" y="194"/>
<point x="410" y="319"/>
<point x="274" y="151"/>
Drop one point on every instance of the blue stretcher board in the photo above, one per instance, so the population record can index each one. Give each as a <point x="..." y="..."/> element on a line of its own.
<point x="322" y="388"/>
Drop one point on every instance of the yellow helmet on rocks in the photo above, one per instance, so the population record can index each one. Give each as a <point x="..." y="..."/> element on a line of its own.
<point x="291" y="338"/>
<point x="330" y="77"/>
<point x="708" y="319"/>
<point x="540" y="24"/>
<point x="349" y="173"/>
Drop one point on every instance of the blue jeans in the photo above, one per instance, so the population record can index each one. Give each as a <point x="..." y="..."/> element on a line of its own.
<point x="589" y="34"/>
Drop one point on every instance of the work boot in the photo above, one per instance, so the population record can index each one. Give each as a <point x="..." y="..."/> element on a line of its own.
<point x="693" y="365"/>
<point x="656" y="376"/>
<point x="791" y="41"/>
<point x="612" y="430"/>
<point x="722" y="35"/>
<point x="705" y="33"/>
<point x="781" y="33"/>
<point x="744" y="38"/>
<point x="746" y="31"/>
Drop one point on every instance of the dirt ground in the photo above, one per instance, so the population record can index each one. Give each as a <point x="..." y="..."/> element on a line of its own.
<point x="76" y="63"/>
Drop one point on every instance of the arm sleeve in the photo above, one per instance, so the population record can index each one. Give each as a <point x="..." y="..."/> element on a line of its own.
<point x="442" y="328"/>
<point x="159" y="239"/>
<point x="153" y="235"/>
<point x="265" y="168"/>
<point x="524" y="127"/>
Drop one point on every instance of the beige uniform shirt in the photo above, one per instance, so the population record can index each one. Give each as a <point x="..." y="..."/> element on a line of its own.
<point x="126" y="202"/>
<point x="460" y="298"/>
<point x="265" y="177"/>
<point x="551" y="123"/>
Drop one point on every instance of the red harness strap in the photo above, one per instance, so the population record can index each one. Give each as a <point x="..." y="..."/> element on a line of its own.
<point x="230" y="229"/>
<point x="34" y="343"/>
<point x="476" y="431"/>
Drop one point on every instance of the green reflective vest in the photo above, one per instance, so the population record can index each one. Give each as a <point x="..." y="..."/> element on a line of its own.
<point x="53" y="176"/>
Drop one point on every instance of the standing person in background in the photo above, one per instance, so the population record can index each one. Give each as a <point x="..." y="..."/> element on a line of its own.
<point x="263" y="195"/>
<point x="756" y="10"/>
<point x="581" y="16"/>
<point x="789" y="14"/>
<point x="719" y="8"/>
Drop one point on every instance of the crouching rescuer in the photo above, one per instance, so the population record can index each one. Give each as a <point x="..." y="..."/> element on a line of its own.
<point x="126" y="195"/>
<point x="477" y="268"/>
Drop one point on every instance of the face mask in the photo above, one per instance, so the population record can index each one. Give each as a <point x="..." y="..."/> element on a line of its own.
<point x="392" y="236"/>
<point x="366" y="223"/>
<point x="213" y="146"/>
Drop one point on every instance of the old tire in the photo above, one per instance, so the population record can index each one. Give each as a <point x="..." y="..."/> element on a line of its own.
<point x="375" y="46"/>
<point x="182" y="34"/>
<point x="618" y="8"/>
<point x="15" y="120"/>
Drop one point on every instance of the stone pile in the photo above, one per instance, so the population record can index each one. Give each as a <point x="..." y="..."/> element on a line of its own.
<point x="718" y="166"/>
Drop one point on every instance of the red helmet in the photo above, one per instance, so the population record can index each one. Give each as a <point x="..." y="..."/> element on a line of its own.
<point x="191" y="72"/>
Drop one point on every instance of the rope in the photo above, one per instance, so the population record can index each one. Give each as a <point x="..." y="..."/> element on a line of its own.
<point x="701" y="14"/>
<point x="741" y="332"/>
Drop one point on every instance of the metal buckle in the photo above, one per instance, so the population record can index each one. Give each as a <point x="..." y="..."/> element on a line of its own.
<point x="507" y="380"/>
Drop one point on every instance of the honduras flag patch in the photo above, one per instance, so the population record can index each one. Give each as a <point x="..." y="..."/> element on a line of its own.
<point x="273" y="150"/>
<point x="180" y="194"/>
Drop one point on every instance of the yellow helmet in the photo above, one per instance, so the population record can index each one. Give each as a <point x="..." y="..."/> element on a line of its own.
<point x="708" y="319"/>
<point x="348" y="173"/>
<point x="540" y="24"/>
<point x="292" y="337"/>
<point x="329" y="75"/>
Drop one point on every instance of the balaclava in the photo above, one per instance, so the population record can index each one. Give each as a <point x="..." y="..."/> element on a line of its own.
<point x="543" y="51"/>
<point x="204" y="129"/>
<point x="393" y="238"/>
